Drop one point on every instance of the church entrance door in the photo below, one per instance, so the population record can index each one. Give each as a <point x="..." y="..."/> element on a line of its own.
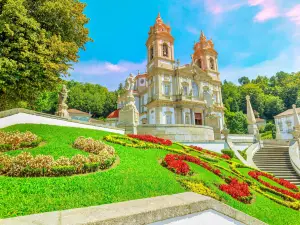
<point x="198" y="119"/>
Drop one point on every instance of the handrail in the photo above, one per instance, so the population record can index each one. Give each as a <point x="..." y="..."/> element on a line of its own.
<point x="15" y="111"/>
<point x="251" y="152"/>
<point x="295" y="156"/>
<point x="236" y="152"/>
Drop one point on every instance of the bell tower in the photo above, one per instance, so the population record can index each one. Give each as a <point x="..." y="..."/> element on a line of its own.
<point x="205" y="56"/>
<point x="160" y="45"/>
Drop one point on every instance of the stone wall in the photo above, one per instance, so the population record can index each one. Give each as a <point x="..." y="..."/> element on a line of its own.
<point x="178" y="132"/>
<point x="24" y="116"/>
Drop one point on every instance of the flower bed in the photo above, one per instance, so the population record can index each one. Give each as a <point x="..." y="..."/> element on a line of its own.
<point x="201" y="150"/>
<point x="101" y="157"/>
<point x="170" y="159"/>
<point x="237" y="190"/>
<point x="227" y="157"/>
<point x="152" y="139"/>
<point x="285" y="183"/>
<point x="17" y="140"/>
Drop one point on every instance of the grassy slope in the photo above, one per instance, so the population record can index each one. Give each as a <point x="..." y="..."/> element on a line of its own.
<point x="138" y="175"/>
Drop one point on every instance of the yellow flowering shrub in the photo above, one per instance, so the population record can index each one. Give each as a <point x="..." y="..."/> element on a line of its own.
<point x="199" y="188"/>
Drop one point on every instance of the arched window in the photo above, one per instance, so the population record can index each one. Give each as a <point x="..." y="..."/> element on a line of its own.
<point x="211" y="63"/>
<point x="195" y="89"/>
<point x="165" y="50"/>
<point x="199" y="63"/>
<point x="151" y="53"/>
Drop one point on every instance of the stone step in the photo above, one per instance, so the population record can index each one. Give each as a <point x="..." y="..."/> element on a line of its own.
<point x="272" y="153"/>
<point x="272" y="165"/>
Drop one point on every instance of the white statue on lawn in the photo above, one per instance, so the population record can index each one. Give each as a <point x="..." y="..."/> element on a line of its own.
<point x="62" y="103"/>
<point x="129" y="115"/>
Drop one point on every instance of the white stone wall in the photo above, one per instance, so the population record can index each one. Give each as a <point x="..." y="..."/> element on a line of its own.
<point x="286" y="125"/>
<point x="24" y="118"/>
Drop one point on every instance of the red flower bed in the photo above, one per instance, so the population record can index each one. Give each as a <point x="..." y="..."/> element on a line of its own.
<point x="285" y="183"/>
<point x="152" y="139"/>
<point x="170" y="158"/>
<point x="224" y="156"/>
<point x="199" y="149"/>
<point x="239" y="191"/>
<point x="196" y="148"/>
<point x="177" y="165"/>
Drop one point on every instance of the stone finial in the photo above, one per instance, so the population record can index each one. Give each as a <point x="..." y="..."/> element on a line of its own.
<point x="250" y="114"/>
<point x="159" y="19"/>
<point x="296" y="117"/>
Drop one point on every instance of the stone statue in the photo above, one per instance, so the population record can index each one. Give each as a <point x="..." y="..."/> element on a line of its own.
<point x="129" y="83"/>
<point x="62" y="103"/>
<point x="129" y="115"/>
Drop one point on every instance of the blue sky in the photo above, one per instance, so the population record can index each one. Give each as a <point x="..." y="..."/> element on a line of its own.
<point x="251" y="36"/>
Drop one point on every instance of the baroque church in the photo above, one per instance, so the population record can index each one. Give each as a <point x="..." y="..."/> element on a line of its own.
<point x="170" y="93"/>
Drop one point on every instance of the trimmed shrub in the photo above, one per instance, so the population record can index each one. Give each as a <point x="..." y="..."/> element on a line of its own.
<point x="25" y="165"/>
<point x="63" y="170"/>
<point x="15" y="140"/>
<point x="243" y="154"/>
<point x="228" y="152"/>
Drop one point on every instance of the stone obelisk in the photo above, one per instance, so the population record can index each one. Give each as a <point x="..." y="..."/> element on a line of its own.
<point x="252" y="126"/>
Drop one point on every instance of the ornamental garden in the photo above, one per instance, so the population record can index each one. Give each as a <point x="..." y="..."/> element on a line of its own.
<point x="73" y="167"/>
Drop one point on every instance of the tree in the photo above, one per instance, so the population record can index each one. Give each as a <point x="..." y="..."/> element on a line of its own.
<point x="120" y="87"/>
<point x="39" y="42"/>
<point x="236" y="122"/>
<point x="257" y="97"/>
<point x="244" y="80"/>
<point x="273" y="106"/>
<point x="231" y="96"/>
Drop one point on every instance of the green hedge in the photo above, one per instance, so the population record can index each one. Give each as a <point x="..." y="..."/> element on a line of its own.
<point x="228" y="152"/>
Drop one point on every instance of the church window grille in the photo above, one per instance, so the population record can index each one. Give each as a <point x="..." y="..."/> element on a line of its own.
<point x="211" y="63"/>
<point x="165" y="50"/>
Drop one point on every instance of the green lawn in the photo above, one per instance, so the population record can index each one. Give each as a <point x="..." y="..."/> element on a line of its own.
<point x="139" y="175"/>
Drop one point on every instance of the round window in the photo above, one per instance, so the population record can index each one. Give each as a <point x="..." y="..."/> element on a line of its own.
<point x="142" y="81"/>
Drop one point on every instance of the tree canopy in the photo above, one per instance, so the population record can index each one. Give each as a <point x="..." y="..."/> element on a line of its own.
<point x="40" y="39"/>
<point x="269" y="96"/>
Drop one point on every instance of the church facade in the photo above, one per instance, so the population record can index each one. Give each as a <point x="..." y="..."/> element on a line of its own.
<point x="171" y="94"/>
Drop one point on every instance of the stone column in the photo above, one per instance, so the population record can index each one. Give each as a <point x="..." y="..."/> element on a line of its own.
<point x="296" y="132"/>
<point x="192" y="116"/>
<point x="252" y="126"/>
<point x="182" y="116"/>
<point x="158" y="111"/>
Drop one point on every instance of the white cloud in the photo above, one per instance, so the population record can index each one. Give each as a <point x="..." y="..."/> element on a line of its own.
<point x="192" y="30"/>
<point x="287" y="61"/>
<point x="105" y="73"/>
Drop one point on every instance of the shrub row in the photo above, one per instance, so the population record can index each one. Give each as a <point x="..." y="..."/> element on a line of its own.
<point x="101" y="157"/>
<point x="228" y="152"/>
<point x="17" y="140"/>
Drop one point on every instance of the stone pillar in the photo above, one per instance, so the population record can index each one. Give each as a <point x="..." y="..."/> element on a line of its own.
<point x="158" y="111"/>
<point x="182" y="116"/>
<point x="192" y="116"/>
<point x="296" y="132"/>
<point x="252" y="126"/>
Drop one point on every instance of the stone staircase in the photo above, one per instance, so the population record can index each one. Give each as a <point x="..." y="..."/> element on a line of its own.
<point x="275" y="159"/>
